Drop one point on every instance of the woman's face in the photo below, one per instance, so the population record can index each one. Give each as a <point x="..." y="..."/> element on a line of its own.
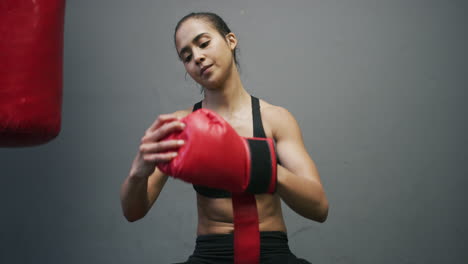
<point x="207" y="56"/>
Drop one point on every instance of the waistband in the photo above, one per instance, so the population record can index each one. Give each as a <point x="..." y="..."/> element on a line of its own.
<point x="271" y="242"/>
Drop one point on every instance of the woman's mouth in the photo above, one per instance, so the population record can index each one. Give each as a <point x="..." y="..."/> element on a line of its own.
<point x="204" y="69"/>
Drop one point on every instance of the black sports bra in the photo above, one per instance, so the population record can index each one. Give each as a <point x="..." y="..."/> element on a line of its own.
<point x="257" y="132"/>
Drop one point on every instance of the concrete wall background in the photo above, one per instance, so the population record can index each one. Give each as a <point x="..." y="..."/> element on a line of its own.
<point x="378" y="88"/>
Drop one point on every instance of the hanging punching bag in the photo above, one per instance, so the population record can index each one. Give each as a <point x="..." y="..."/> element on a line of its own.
<point x="31" y="51"/>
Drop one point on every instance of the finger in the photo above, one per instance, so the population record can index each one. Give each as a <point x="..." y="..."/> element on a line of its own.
<point x="161" y="120"/>
<point x="160" y="157"/>
<point x="161" y="146"/>
<point x="163" y="131"/>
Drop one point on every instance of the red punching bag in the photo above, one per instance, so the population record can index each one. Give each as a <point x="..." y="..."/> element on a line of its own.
<point x="31" y="54"/>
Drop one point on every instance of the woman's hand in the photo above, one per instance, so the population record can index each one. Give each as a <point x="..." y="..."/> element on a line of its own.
<point x="153" y="148"/>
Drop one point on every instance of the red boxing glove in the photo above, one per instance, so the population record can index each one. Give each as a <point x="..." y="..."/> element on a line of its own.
<point x="214" y="155"/>
<point x="31" y="47"/>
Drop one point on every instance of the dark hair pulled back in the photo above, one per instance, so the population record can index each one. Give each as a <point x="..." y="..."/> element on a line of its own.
<point x="216" y="21"/>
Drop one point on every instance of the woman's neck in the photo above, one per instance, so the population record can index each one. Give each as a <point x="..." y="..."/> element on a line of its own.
<point x="229" y="98"/>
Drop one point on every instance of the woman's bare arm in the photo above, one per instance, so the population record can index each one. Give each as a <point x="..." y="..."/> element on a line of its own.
<point x="299" y="182"/>
<point x="138" y="194"/>
<point x="144" y="183"/>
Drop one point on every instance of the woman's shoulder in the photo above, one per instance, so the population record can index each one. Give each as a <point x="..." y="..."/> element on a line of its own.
<point x="273" y="112"/>
<point x="277" y="119"/>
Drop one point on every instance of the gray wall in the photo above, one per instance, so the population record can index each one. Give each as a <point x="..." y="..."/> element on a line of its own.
<point x="378" y="88"/>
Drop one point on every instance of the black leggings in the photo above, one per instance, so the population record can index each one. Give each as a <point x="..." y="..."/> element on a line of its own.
<point x="218" y="249"/>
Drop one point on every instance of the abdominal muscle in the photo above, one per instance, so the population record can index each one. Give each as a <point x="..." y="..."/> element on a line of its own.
<point x="215" y="216"/>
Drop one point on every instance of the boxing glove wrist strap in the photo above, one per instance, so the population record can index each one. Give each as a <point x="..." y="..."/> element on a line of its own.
<point x="263" y="164"/>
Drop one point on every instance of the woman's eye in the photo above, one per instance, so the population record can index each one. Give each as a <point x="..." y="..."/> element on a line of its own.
<point x="204" y="44"/>
<point x="188" y="58"/>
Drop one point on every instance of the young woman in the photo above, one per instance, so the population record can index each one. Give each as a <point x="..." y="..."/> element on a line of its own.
<point x="207" y="48"/>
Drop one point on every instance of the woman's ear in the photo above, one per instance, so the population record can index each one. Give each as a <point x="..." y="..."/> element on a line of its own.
<point x="231" y="40"/>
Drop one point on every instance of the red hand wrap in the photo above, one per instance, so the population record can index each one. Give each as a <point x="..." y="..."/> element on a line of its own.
<point x="246" y="230"/>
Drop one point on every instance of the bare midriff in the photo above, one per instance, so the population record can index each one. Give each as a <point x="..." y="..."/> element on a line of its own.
<point x="215" y="216"/>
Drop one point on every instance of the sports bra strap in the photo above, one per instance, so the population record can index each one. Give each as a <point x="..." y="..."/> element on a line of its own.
<point x="197" y="106"/>
<point x="258" y="130"/>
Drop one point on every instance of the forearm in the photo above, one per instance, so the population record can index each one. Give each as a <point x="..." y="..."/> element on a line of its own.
<point x="134" y="197"/>
<point x="302" y="194"/>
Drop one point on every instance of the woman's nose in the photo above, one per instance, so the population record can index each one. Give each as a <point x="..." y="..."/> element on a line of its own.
<point x="199" y="57"/>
